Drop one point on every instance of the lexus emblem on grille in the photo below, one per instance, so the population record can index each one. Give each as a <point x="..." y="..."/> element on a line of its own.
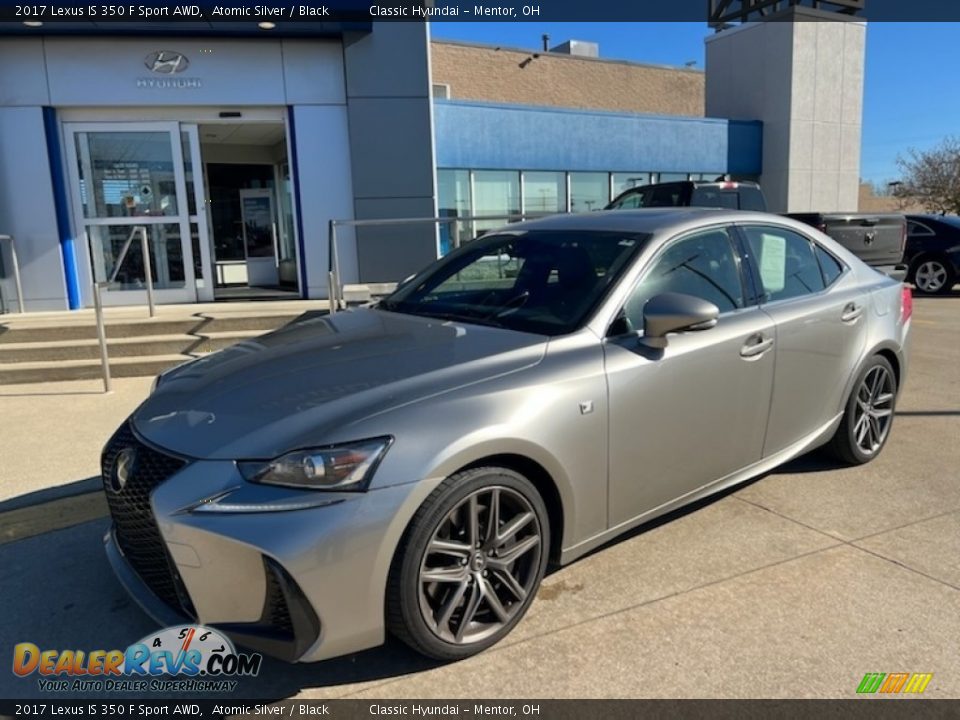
<point x="166" y="62"/>
<point x="122" y="469"/>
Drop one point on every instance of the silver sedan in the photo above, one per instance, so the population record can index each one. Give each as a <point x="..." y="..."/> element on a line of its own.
<point x="412" y="467"/>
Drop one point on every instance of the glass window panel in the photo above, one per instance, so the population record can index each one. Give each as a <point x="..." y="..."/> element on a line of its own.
<point x="672" y="177"/>
<point x="166" y="255"/>
<point x="703" y="265"/>
<point x="544" y="193"/>
<point x="126" y="174"/>
<point x="787" y="264"/>
<point x="453" y="195"/>
<point x="496" y="193"/>
<point x="829" y="265"/>
<point x="625" y="181"/>
<point x="288" y="250"/>
<point x="589" y="191"/>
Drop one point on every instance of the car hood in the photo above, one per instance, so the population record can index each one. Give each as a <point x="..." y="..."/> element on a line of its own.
<point x="299" y="385"/>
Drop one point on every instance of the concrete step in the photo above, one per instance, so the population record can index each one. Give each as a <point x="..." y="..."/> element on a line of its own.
<point x="40" y="332"/>
<point x="145" y="346"/>
<point x="50" y="371"/>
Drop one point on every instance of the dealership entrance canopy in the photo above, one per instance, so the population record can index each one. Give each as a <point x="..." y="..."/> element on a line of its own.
<point x="231" y="147"/>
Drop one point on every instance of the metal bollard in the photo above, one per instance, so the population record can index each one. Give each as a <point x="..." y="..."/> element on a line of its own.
<point x="101" y="337"/>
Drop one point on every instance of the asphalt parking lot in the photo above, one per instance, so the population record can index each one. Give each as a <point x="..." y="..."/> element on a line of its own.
<point x="794" y="585"/>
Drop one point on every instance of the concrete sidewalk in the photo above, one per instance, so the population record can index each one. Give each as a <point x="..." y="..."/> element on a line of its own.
<point x="795" y="585"/>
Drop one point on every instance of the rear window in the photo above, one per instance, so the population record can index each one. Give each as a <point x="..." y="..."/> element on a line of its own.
<point x="715" y="198"/>
<point x="752" y="199"/>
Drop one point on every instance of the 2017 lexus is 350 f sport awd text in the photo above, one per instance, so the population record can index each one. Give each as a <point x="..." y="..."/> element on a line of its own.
<point x="412" y="466"/>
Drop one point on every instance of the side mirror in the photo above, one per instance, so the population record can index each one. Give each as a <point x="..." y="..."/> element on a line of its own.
<point x="674" y="312"/>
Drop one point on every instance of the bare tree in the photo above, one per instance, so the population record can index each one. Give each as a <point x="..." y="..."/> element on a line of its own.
<point x="931" y="177"/>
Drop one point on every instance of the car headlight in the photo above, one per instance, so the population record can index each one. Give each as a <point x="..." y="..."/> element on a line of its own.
<point x="341" y="467"/>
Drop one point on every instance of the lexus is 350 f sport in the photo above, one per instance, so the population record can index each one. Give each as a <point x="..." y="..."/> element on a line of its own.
<point x="411" y="467"/>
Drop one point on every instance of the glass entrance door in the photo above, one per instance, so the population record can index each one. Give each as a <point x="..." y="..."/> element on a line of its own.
<point x="130" y="178"/>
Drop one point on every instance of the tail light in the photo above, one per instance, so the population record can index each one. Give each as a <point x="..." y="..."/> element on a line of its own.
<point x="906" y="304"/>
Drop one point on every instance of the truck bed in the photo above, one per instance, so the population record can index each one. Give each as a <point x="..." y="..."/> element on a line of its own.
<point x="877" y="239"/>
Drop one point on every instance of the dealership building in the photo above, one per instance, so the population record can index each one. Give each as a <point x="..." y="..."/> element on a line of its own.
<point x="231" y="148"/>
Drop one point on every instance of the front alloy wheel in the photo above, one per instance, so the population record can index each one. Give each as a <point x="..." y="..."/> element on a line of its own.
<point x="470" y="563"/>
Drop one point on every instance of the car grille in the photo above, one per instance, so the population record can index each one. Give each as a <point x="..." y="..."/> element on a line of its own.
<point x="136" y="529"/>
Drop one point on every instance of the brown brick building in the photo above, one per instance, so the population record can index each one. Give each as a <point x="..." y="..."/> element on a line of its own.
<point x="556" y="79"/>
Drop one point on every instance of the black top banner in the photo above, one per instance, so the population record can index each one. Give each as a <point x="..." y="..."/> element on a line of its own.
<point x="301" y="11"/>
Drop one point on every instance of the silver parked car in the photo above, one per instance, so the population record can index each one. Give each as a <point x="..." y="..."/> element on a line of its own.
<point x="413" y="466"/>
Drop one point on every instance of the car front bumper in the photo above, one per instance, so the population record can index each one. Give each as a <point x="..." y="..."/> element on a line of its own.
<point x="300" y="584"/>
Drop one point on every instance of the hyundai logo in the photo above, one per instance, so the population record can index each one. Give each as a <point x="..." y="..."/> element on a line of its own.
<point x="122" y="469"/>
<point x="166" y="62"/>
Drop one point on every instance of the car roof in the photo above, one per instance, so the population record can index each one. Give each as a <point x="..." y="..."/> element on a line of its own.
<point x="644" y="220"/>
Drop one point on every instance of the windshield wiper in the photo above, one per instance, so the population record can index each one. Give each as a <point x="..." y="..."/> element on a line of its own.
<point x="459" y="317"/>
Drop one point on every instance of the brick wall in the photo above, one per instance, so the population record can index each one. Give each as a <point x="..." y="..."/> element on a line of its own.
<point x="515" y="76"/>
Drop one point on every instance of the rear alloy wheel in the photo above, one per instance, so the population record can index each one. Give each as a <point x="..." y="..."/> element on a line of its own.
<point x="933" y="276"/>
<point x="470" y="564"/>
<point x="868" y="415"/>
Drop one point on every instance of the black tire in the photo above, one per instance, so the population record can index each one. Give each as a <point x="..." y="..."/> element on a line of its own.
<point x="945" y="266"/>
<point x="407" y="594"/>
<point x="846" y="444"/>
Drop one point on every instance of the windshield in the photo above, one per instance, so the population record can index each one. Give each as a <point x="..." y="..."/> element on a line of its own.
<point x="544" y="282"/>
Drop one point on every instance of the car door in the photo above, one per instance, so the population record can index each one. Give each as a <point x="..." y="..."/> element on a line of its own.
<point x="696" y="411"/>
<point x="820" y="319"/>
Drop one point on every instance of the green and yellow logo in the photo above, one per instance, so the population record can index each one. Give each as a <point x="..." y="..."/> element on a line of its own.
<point x="893" y="683"/>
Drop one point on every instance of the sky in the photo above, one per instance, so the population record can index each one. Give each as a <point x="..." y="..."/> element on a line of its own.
<point x="911" y="85"/>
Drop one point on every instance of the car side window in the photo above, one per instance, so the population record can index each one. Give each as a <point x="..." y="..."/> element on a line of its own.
<point x="703" y="265"/>
<point x="786" y="262"/>
<point x="915" y="228"/>
<point x="630" y="202"/>
<point x="829" y="265"/>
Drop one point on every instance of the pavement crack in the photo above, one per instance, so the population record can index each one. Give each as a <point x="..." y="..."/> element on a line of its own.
<point x="899" y="563"/>
<point x="852" y="543"/>
<point x="790" y="519"/>
<point x="905" y="525"/>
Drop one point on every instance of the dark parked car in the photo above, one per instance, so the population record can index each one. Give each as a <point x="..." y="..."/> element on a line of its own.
<point x="720" y="194"/>
<point x="933" y="252"/>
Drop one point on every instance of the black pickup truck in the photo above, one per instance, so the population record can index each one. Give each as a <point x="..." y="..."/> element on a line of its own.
<point x="877" y="239"/>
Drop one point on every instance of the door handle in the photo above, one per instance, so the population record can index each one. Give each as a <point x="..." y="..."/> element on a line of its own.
<point x="851" y="312"/>
<point x="756" y="345"/>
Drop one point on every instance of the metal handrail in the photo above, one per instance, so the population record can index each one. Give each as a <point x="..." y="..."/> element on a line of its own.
<point x="99" y="285"/>
<point x="147" y="270"/>
<point x="335" y="293"/>
<point x="16" y="270"/>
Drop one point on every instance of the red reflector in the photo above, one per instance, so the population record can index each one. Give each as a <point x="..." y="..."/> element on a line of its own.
<point x="906" y="304"/>
<point x="729" y="185"/>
